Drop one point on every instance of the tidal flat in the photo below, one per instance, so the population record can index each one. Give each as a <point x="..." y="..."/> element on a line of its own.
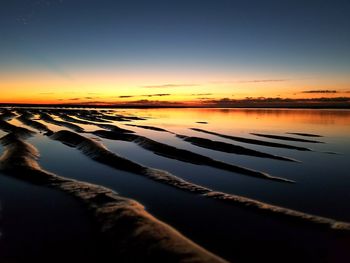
<point x="158" y="185"/>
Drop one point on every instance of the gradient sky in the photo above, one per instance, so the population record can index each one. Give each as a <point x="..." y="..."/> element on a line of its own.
<point x="99" y="50"/>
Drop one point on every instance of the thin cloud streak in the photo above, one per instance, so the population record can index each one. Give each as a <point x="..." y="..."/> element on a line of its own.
<point x="251" y="81"/>
<point x="201" y="94"/>
<point x="320" y="91"/>
<point x="157" y="95"/>
<point x="253" y="100"/>
<point x="144" y="95"/>
<point x="170" y="86"/>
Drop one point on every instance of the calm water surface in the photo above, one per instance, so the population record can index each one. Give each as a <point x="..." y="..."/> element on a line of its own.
<point x="322" y="179"/>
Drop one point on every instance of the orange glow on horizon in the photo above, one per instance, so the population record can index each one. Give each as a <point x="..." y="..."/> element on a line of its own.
<point x="111" y="88"/>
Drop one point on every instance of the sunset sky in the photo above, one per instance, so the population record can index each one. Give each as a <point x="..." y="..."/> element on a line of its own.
<point x="98" y="51"/>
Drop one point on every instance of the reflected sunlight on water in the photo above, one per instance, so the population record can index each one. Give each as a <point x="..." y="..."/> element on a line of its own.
<point x="322" y="180"/>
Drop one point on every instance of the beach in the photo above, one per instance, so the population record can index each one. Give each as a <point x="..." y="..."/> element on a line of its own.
<point x="199" y="185"/>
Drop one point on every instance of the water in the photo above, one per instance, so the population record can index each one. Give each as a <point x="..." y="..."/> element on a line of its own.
<point x="36" y="222"/>
<point x="215" y="226"/>
<point x="322" y="179"/>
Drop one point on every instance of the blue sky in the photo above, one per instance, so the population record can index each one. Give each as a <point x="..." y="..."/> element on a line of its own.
<point x="272" y="39"/>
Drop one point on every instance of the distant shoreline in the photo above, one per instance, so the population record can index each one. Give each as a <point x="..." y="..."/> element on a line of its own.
<point x="263" y="106"/>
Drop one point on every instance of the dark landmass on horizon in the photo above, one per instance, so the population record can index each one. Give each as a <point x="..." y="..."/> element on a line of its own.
<point x="310" y="103"/>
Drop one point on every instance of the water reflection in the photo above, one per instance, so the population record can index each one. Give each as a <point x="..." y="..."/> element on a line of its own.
<point x="37" y="221"/>
<point x="317" y="171"/>
<point x="322" y="179"/>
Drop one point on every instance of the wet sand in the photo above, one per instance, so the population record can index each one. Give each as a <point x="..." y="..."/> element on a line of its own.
<point x="215" y="145"/>
<point x="98" y="153"/>
<point x="305" y="134"/>
<point x="231" y="148"/>
<point x="117" y="218"/>
<point x="46" y="117"/>
<point x="126" y="230"/>
<point x="285" y="138"/>
<point x="26" y="118"/>
<point x="254" y="141"/>
<point x="185" y="155"/>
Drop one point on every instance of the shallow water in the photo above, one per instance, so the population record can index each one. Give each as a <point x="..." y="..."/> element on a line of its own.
<point x="322" y="180"/>
<point x="212" y="224"/>
<point x="36" y="222"/>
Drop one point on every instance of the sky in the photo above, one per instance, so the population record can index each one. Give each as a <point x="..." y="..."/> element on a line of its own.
<point x="111" y="51"/>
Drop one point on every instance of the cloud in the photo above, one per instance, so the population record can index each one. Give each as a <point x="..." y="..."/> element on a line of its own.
<point x="320" y="91"/>
<point x="251" y="101"/>
<point x="251" y="81"/>
<point x="156" y="95"/>
<point x="95" y="102"/>
<point x="140" y="101"/>
<point x="170" y="86"/>
<point x="201" y="94"/>
<point x="145" y="95"/>
<point x="146" y="102"/>
<point x="262" y="80"/>
<point x="90" y="98"/>
<point x="125" y="96"/>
